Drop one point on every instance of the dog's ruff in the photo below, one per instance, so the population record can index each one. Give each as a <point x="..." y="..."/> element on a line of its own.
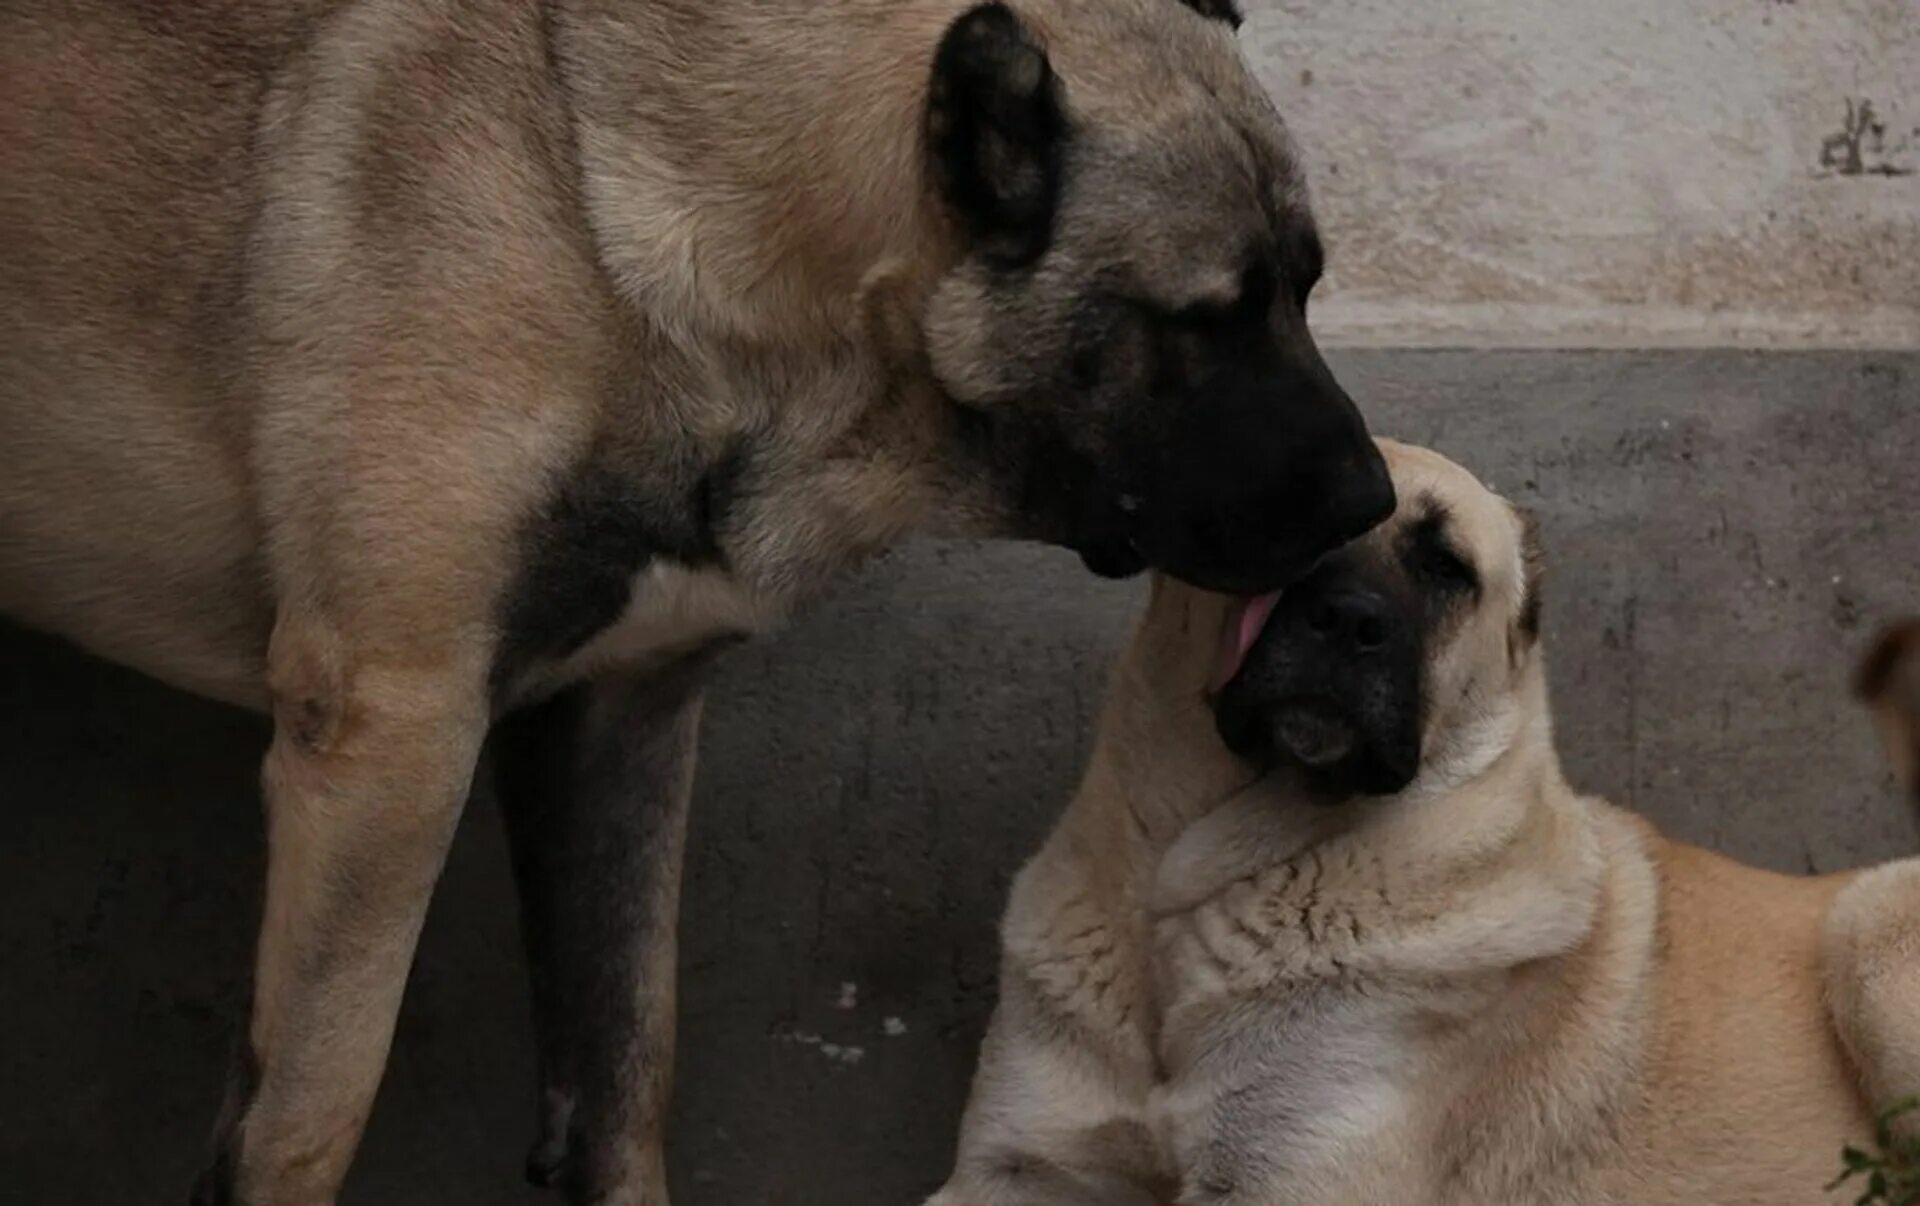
<point x="1486" y="990"/>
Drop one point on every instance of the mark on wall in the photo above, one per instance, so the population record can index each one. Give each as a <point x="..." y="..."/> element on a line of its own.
<point x="1861" y="147"/>
<point x="1512" y="173"/>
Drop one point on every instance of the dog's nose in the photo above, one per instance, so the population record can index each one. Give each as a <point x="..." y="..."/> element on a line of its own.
<point x="1359" y="496"/>
<point x="1354" y="620"/>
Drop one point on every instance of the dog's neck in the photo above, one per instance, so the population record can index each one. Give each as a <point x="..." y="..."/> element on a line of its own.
<point x="753" y="179"/>
<point x="745" y="167"/>
<point x="1157" y="755"/>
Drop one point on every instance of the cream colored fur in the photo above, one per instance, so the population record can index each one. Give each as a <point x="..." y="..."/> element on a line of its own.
<point x="1486" y="990"/>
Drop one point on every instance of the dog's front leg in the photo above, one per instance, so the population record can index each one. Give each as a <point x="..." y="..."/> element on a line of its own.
<point x="371" y="759"/>
<point x="595" y="785"/>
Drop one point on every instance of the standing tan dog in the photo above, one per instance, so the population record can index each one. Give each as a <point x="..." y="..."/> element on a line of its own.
<point x="1383" y="954"/>
<point x="400" y="365"/>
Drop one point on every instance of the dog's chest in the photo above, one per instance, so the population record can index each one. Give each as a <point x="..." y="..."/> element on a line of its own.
<point x="672" y="607"/>
<point x="671" y="611"/>
<point x="638" y="558"/>
<point x="627" y="569"/>
<point x="1294" y="1098"/>
<point x="1287" y="1074"/>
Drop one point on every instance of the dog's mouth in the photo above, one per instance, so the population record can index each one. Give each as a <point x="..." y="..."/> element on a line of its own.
<point x="1330" y="720"/>
<point x="1246" y="620"/>
<point x="1322" y="741"/>
<point x="1314" y="732"/>
<point x="1306" y="730"/>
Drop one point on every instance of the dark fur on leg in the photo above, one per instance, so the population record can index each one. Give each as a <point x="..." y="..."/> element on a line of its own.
<point x="594" y="786"/>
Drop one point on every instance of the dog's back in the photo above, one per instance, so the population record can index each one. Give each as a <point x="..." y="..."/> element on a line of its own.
<point x="1744" y="1091"/>
<point x="141" y="148"/>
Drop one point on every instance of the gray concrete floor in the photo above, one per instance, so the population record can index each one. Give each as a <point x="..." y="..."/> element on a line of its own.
<point x="1724" y="531"/>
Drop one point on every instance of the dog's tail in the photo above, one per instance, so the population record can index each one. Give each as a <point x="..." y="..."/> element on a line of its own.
<point x="1888" y="682"/>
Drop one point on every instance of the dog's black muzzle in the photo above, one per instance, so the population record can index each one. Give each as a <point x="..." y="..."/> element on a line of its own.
<point x="1333" y="684"/>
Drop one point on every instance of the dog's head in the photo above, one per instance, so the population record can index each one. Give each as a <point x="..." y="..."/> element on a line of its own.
<point x="1124" y="333"/>
<point x="1399" y="654"/>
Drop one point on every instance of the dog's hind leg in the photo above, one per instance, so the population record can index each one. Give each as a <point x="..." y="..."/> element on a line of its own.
<point x="1872" y="968"/>
<point x="594" y="785"/>
<point x="372" y="754"/>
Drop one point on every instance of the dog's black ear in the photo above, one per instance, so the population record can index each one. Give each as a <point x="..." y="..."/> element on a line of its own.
<point x="1219" y="10"/>
<point x="995" y="131"/>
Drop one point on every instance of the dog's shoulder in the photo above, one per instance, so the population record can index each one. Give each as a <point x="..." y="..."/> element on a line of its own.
<point x="415" y="152"/>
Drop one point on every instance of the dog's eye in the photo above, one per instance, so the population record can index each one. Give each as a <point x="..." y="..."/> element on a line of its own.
<point x="1251" y="302"/>
<point x="1112" y="344"/>
<point x="1447" y="570"/>
<point x="1431" y="558"/>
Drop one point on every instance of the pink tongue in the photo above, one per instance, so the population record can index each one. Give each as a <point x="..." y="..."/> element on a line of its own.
<point x="1244" y="623"/>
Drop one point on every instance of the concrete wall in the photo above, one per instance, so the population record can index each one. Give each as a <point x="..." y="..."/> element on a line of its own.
<point x="1637" y="172"/>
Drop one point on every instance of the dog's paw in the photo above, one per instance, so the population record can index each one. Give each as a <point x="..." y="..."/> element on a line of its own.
<point x="213" y="1187"/>
<point x="547" y="1162"/>
<point x="547" y="1159"/>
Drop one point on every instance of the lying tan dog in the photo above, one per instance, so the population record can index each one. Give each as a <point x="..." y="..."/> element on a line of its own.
<point x="1384" y="954"/>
